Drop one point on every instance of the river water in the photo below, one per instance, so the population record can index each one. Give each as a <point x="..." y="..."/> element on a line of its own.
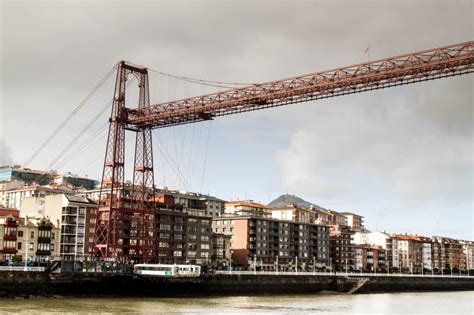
<point x="384" y="303"/>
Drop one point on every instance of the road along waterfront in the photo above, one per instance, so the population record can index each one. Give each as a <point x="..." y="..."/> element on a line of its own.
<point x="380" y="304"/>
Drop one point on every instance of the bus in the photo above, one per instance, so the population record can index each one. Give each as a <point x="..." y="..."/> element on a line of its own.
<point x="164" y="270"/>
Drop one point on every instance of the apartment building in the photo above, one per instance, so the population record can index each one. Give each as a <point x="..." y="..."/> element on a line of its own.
<point x="220" y="249"/>
<point x="369" y="258"/>
<point x="25" y="239"/>
<point x="341" y="249"/>
<point x="267" y="244"/>
<point x="9" y="222"/>
<point x="448" y="254"/>
<point x="355" y="221"/>
<point x="205" y="204"/>
<point x="198" y="239"/>
<point x="170" y="233"/>
<point x="468" y="251"/>
<point x="406" y="253"/>
<point x="29" y="176"/>
<point x="335" y="218"/>
<point x="36" y="195"/>
<point x="293" y="213"/>
<point x="247" y="208"/>
<point x="76" y="218"/>
<point x="426" y="253"/>
<point x="6" y="186"/>
<point x="38" y="240"/>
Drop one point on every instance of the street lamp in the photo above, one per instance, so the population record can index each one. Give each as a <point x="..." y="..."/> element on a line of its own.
<point x="254" y="263"/>
<point x="230" y="261"/>
<point x="277" y="267"/>
<point x="296" y="267"/>
<point x="27" y="244"/>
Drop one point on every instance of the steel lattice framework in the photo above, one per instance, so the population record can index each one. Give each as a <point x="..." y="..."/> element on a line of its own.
<point x="126" y="227"/>
<point x="421" y="66"/>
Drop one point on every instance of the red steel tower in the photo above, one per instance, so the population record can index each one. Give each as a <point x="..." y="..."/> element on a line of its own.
<point x="125" y="227"/>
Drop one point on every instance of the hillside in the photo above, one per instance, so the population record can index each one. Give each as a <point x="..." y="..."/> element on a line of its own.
<point x="287" y="199"/>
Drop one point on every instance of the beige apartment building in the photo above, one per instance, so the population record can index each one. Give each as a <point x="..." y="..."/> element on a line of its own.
<point x="247" y="208"/>
<point x="293" y="213"/>
<point x="355" y="221"/>
<point x="36" y="240"/>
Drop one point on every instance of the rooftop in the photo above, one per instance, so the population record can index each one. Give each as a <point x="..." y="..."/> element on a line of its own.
<point x="247" y="203"/>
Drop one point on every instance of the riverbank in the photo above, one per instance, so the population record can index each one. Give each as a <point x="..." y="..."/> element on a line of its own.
<point x="33" y="284"/>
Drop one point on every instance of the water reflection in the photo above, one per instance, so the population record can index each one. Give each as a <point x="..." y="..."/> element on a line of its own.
<point x="399" y="303"/>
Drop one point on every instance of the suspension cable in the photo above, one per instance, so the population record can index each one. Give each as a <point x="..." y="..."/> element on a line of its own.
<point x="68" y="118"/>
<point x="203" y="82"/>
<point x="176" y="171"/>
<point x="205" y="155"/>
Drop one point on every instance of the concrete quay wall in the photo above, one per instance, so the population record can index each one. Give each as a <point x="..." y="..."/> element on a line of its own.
<point x="18" y="284"/>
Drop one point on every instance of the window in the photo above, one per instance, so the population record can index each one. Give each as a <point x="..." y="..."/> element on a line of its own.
<point x="52" y="247"/>
<point x="165" y="235"/>
<point x="204" y="246"/>
<point x="205" y="238"/>
<point x="165" y="227"/>
<point x="32" y="234"/>
<point x="20" y="233"/>
<point x="32" y="246"/>
<point x="52" y="236"/>
<point x="19" y="245"/>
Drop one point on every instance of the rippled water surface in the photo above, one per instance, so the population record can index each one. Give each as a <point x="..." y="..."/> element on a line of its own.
<point x="386" y="303"/>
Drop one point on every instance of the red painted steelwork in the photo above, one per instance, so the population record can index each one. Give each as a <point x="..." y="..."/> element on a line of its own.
<point x="126" y="227"/>
<point x="410" y="68"/>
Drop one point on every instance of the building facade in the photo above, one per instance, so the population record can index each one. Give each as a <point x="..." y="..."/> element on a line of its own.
<point x="268" y="244"/>
<point x="355" y="221"/>
<point x="247" y="208"/>
<point x="341" y="248"/>
<point x="294" y="213"/>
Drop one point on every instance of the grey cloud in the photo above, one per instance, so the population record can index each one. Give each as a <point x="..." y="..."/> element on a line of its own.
<point x="5" y="153"/>
<point x="53" y="53"/>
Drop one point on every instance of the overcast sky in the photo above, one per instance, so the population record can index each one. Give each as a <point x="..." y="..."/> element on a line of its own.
<point x="402" y="157"/>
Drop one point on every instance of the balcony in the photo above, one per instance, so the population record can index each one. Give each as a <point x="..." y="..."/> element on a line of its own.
<point x="9" y="237"/>
<point x="9" y="250"/>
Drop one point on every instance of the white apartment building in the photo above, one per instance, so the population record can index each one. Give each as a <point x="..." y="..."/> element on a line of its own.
<point x="15" y="198"/>
<point x="355" y="221"/>
<point x="426" y="254"/>
<point x="6" y="186"/>
<point x="76" y="216"/>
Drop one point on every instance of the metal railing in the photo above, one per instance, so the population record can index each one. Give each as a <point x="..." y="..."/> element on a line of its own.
<point x="21" y="268"/>
<point x="340" y="274"/>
